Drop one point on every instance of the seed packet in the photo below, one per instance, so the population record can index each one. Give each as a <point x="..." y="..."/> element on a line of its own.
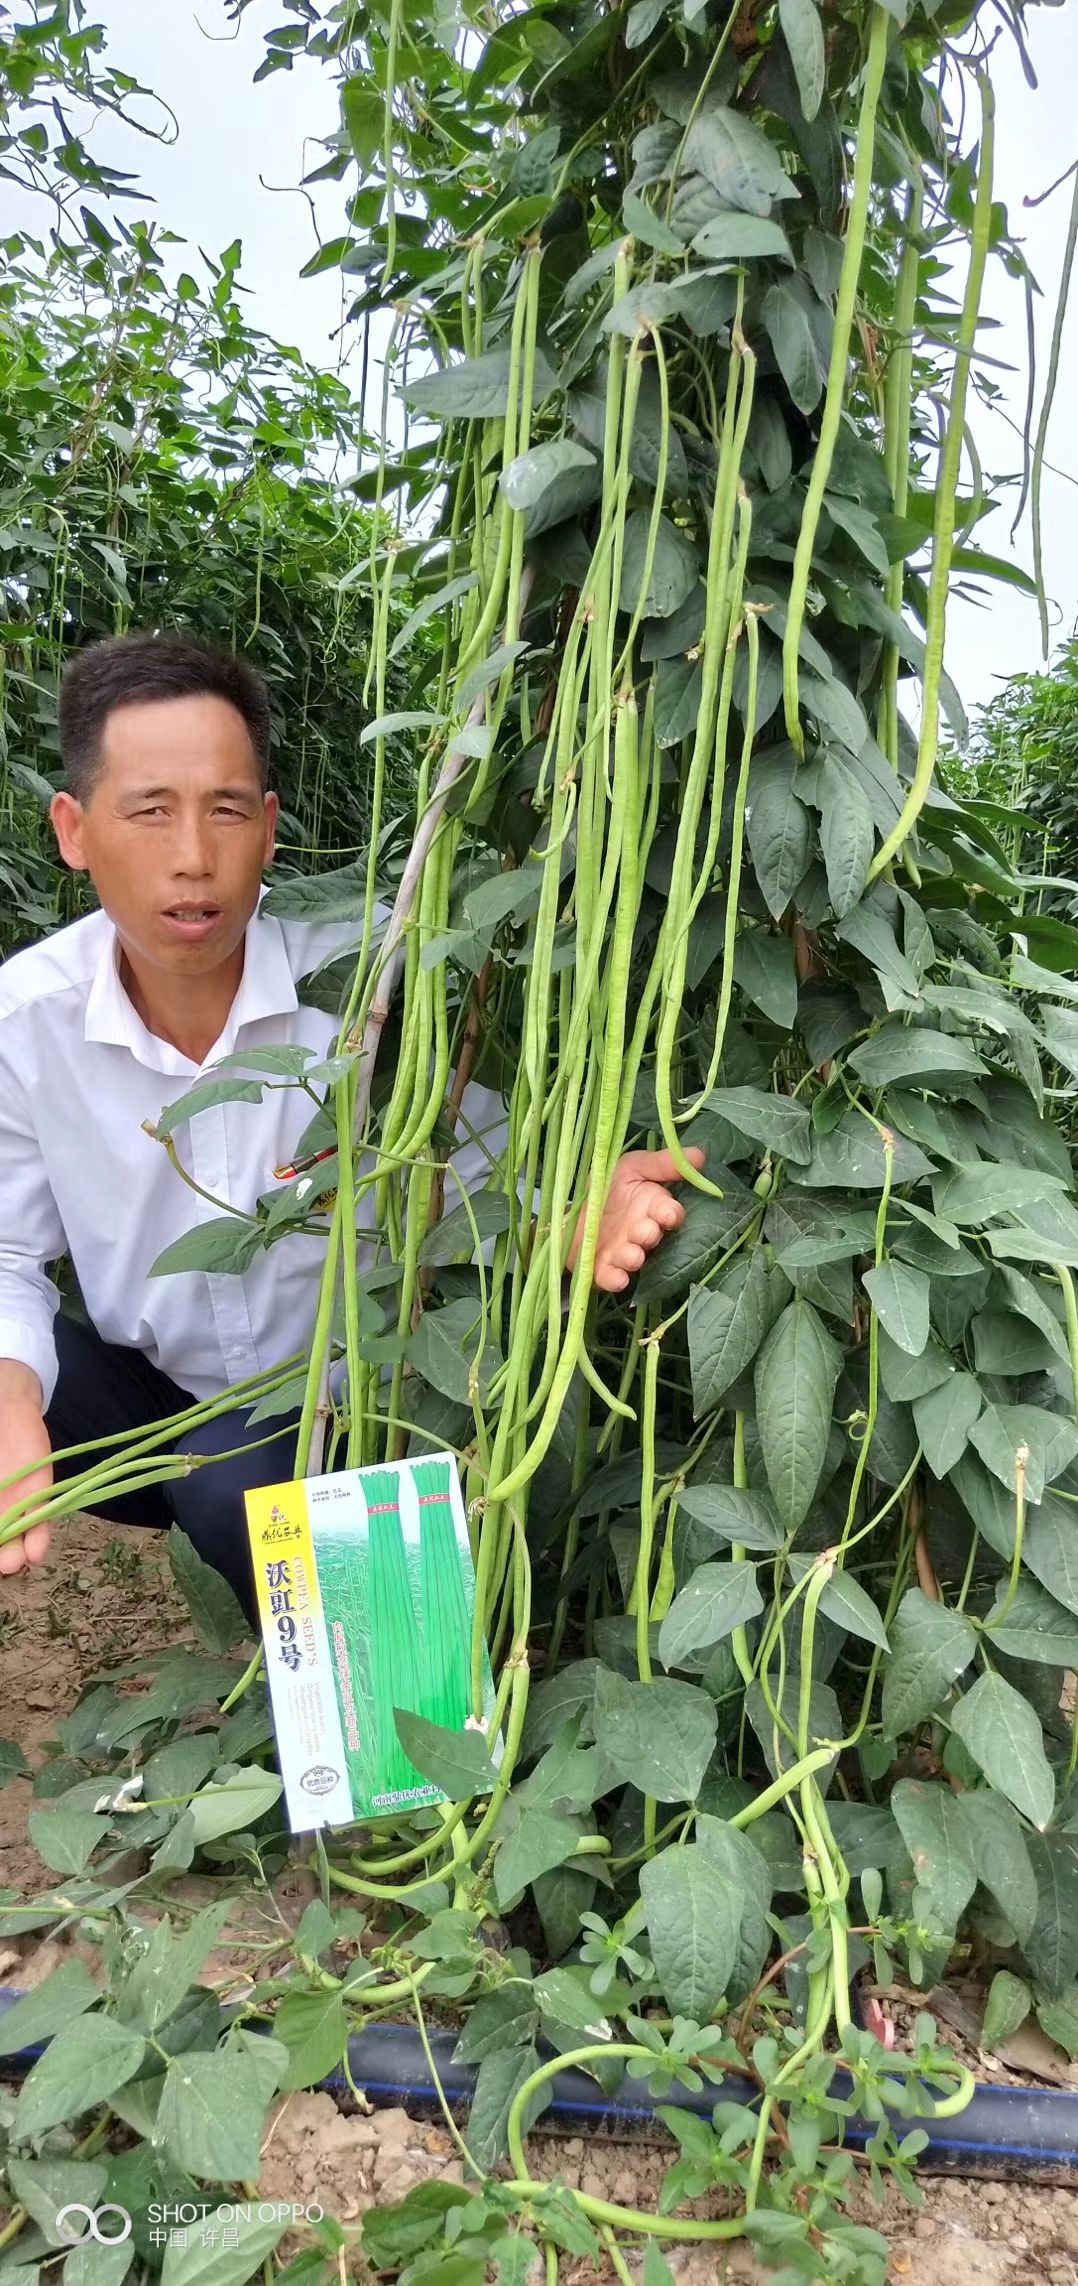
<point x="366" y="1589"/>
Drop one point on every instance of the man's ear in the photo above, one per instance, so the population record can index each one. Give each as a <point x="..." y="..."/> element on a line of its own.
<point x="66" y="814"/>
<point x="273" y="810"/>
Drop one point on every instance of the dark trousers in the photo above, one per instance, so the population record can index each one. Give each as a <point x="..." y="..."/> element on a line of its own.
<point x="104" y="1391"/>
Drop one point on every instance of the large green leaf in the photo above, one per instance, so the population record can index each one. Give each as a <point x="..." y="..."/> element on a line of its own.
<point x="1051" y="1949"/>
<point x="710" y="1227"/>
<point x="550" y="482"/>
<point x="737" y="159"/>
<point x="846" y="823"/>
<point x="692" y="1920"/>
<point x="456" y="1761"/>
<point x="673" y="573"/>
<point x="475" y="389"/>
<point x="1032" y="1625"/>
<point x="82" y="2066"/>
<point x="658" y="1737"/>
<point x="944" y="1418"/>
<point x="797" y="351"/>
<point x="900" y="1297"/>
<point x="851" y="1157"/>
<point x="803" y="34"/>
<point x="726" y="1512"/>
<point x="1001" y="1854"/>
<point x="1002" y="1734"/>
<point x="65" y="1994"/>
<point x="907" y="1054"/>
<point x="796" y="1374"/>
<point x="499" y="2080"/>
<point x="779" y="828"/>
<point x="741" y="238"/>
<point x="1050" y="1443"/>
<point x="314" y="2028"/>
<point x="225" y="2249"/>
<point x="930" y="1648"/>
<point x="718" y="1598"/>
<point x="212" y="2115"/>
<point x="727" y="1322"/>
<point x="778" y="1122"/>
<point x="930" y="1821"/>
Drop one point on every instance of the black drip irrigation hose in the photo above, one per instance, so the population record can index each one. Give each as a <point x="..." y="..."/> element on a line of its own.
<point x="1004" y="2131"/>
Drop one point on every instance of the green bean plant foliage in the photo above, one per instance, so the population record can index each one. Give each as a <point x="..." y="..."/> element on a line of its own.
<point x="775" y="1550"/>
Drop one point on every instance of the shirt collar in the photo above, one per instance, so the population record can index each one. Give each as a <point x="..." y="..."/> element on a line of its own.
<point x="267" y="989"/>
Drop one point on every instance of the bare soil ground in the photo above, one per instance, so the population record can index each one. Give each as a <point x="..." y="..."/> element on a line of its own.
<point x="105" y="1596"/>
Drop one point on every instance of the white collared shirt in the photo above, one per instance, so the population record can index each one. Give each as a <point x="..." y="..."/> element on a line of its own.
<point x="79" y="1073"/>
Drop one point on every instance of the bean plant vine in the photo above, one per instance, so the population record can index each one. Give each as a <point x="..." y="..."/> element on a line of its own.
<point x="775" y="1552"/>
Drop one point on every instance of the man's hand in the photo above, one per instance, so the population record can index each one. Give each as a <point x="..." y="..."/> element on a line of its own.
<point x="639" y="1212"/>
<point x="24" y="1438"/>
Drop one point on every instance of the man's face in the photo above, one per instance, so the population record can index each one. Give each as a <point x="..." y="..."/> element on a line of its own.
<point x="175" y="832"/>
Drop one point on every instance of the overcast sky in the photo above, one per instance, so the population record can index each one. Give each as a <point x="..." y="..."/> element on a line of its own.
<point x="235" y="139"/>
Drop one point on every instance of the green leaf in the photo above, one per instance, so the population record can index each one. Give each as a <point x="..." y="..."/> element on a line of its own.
<point x="727" y="1323"/>
<point x="1050" y="1549"/>
<point x="66" y="1838"/>
<point x="678" y="687"/>
<point x="1059" y="2019"/>
<point x="499" y="2081"/>
<point x="1033" y="1626"/>
<point x="162" y="1975"/>
<point x="432" y="607"/>
<point x="82" y="2066"/>
<point x="971" y="1196"/>
<point x="794" y="343"/>
<point x="212" y="2115"/>
<point x="1001" y="1732"/>
<point x="456" y="1761"/>
<point x="779" y="829"/>
<point x="734" y="156"/>
<point x="846" y="1602"/>
<point x="64" y="1995"/>
<point x="930" y="1820"/>
<point x="234" y="1804"/>
<point x="222" y="1244"/>
<point x="900" y="1297"/>
<point x="45" y="2186"/>
<point x="710" y="1228"/>
<point x="13" y="1762"/>
<point x="443" y="1349"/>
<point x="674" y="569"/>
<point x="944" y="1418"/>
<point x="1006" y="2009"/>
<point x="219" y="1617"/>
<point x="1051" y="1949"/>
<point x="778" y="1122"/>
<point x="692" y="1922"/>
<point x="764" y="971"/>
<point x="213" y="2259"/>
<point x="847" y="831"/>
<point x="1050" y="1443"/>
<point x="475" y="389"/>
<point x="505" y="2018"/>
<point x="314" y="2029"/>
<point x="741" y="238"/>
<point x="448" y="1239"/>
<point x="204" y="1097"/>
<point x="725" y="1512"/>
<point x="1001" y="1853"/>
<point x="535" y="1842"/>
<point x="851" y="1157"/>
<point x="718" y="1598"/>
<point x="803" y="34"/>
<point x="930" y="1648"/>
<point x="648" y="226"/>
<point x="796" y="1374"/>
<point x="902" y="1054"/>
<point x="551" y="482"/>
<point x="658" y="1737"/>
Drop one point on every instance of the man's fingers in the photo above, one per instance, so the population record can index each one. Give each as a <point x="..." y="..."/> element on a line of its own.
<point x="12" y="1557"/>
<point x="661" y="1208"/>
<point x="646" y="1230"/>
<point x="627" y="1256"/>
<point x="662" y="1167"/>
<point x="609" y="1279"/>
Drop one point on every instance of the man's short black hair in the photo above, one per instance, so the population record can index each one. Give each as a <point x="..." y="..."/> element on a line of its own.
<point x="133" y="670"/>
